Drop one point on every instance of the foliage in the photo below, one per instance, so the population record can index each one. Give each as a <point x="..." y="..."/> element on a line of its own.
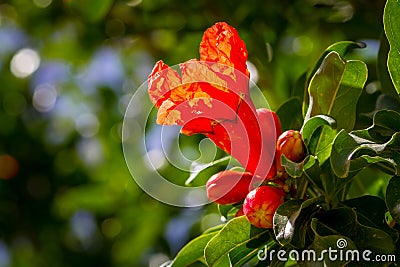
<point x="322" y="216"/>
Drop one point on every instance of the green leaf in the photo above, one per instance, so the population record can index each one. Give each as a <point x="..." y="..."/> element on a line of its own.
<point x="385" y="124"/>
<point x="324" y="242"/>
<point x="393" y="198"/>
<point x="371" y="211"/>
<point x="371" y="208"/>
<point x="343" y="221"/>
<point x="347" y="146"/>
<point x="342" y="48"/>
<point x="312" y="171"/>
<point x="248" y="251"/>
<point x="294" y="169"/>
<point x="387" y="86"/>
<point x="235" y="233"/>
<point x="291" y="220"/>
<point x="197" y="168"/>
<point x="320" y="143"/>
<point x="388" y="119"/>
<point x="290" y="115"/>
<point x="312" y="124"/>
<point x="193" y="250"/>
<point x="227" y="210"/>
<point x="392" y="29"/>
<point x="335" y="88"/>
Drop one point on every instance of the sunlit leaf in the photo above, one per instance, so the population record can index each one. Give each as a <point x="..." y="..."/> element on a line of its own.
<point x="392" y="29"/>
<point x="335" y="88"/>
<point x="320" y="142"/>
<point x="342" y="48"/>
<point x="192" y="251"/>
<point x="312" y="124"/>
<point x="294" y="169"/>
<point x="225" y="210"/>
<point x="236" y="232"/>
<point x="249" y="251"/>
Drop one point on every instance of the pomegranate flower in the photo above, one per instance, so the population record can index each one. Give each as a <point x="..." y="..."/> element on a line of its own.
<point x="211" y="96"/>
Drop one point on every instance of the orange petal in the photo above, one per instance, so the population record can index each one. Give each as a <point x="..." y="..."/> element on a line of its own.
<point x="221" y="43"/>
<point x="161" y="81"/>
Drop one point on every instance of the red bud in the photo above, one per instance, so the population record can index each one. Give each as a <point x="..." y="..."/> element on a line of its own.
<point x="228" y="187"/>
<point x="260" y="205"/>
<point x="290" y="144"/>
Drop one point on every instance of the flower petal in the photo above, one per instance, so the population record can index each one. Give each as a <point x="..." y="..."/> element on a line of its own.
<point x="161" y="81"/>
<point x="221" y="43"/>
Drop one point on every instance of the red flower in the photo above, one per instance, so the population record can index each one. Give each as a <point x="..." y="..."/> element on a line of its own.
<point x="211" y="97"/>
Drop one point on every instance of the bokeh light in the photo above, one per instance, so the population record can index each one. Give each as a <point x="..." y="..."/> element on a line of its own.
<point x="42" y="3"/>
<point x="25" y="62"/>
<point x="8" y="166"/>
<point x="44" y="98"/>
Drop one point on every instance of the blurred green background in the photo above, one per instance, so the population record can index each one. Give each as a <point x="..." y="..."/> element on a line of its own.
<point x="67" y="72"/>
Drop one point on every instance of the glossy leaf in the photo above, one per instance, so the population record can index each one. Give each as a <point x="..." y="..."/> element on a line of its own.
<point x="226" y="210"/>
<point x="236" y="232"/>
<point x="312" y="124"/>
<point x="347" y="147"/>
<point x="342" y="48"/>
<point x="392" y="29"/>
<point x="291" y="221"/>
<point x="393" y="198"/>
<point x="193" y="250"/>
<point x="335" y="88"/>
<point x="371" y="212"/>
<point x="343" y="221"/>
<point x="320" y="143"/>
<point x="324" y="242"/>
<point x="385" y="80"/>
<point x="248" y="251"/>
<point x="294" y="169"/>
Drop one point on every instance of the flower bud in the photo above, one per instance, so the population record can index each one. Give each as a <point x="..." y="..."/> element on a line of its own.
<point x="290" y="144"/>
<point x="228" y="187"/>
<point x="260" y="205"/>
